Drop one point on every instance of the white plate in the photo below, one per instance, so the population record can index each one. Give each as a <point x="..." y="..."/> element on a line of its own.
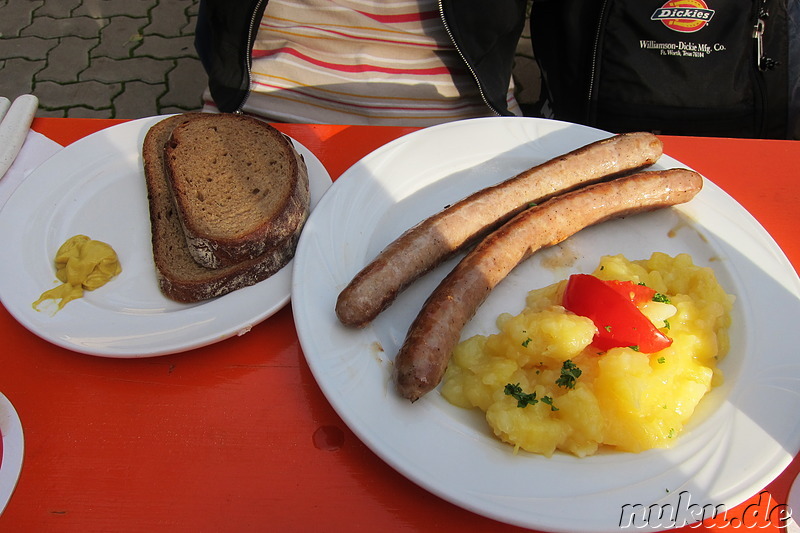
<point x="793" y="502"/>
<point x="742" y="435"/>
<point x="96" y="187"/>
<point x="12" y="452"/>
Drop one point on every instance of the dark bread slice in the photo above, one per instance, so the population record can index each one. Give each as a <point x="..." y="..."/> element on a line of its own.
<point x="239" y="186"/>
<point x="179" y="276"/>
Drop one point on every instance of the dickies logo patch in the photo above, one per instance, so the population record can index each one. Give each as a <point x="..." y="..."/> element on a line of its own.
<point x="685" y="16"/>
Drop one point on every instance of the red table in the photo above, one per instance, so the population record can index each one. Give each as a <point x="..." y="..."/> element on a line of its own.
<point x="237" y="436"/>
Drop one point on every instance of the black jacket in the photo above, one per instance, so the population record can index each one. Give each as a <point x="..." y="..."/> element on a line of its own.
<point x="485" y="33"/>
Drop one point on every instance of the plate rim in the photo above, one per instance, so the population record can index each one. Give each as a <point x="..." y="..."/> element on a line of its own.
<point x="13" y="450"/>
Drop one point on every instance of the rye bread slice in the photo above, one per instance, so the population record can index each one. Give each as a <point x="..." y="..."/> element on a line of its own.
<point x="238" y="184"/>
<point x="181" y="278"/>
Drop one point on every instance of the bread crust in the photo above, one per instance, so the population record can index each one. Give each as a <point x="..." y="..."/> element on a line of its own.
<point x="180" y="277"/>
<point x="239" y="186"/>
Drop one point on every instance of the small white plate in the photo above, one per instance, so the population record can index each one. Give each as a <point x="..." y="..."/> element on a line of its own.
<point x="742" y="435"/>
<point x="12" y="451"/>
<point x="96" y="187"/>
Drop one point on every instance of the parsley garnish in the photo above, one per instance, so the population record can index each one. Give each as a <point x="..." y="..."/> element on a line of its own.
<point x="635" y="347"/>
<point x="663" y="298"/>
<point x="526" y="342"/>
<point x="523" y="399"/>
<point x="549" y="401"/>
<point x="661" y="360"/>
<point x="569" y="373"/>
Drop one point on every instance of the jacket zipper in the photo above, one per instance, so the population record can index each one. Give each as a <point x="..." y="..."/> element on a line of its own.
<point x="464" y="60"/>
<point x="762" y="62"/>
<point x="248" y="63"/>
<point x="590" y="111"/>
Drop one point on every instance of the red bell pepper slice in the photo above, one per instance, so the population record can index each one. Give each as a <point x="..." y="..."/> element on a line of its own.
<point x="610" y="305"/>
<point x="636" y="293"/>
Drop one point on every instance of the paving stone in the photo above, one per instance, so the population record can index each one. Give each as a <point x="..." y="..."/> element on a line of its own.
<point x="87" y="112"/>
<point x="138" y="100"/>
<point x="17" y="15"/>
<point x="102" y="58"/>
<point x="526" y="71"/>
<point x="54" y="113"/>
<point x="525" y="46"/>
<point x="144" y="69"/>
<point x="84" y="93"/>
<point x="186" y="83"/>
<point x="17" y="76"/>
<point x="111" y="8"/>
<point x="189" y="28"/>
<point x="26" y="47"/>
<point x="168" y="18"/>
<point x="50" y="28"/>
<point x="67" y="60"/>
<point x="59" y="9"/>
<point x="120" y="37"/>
<point x="526" y="80"/>
<point x="157" y="46"/>
<point x="171" y="110"/>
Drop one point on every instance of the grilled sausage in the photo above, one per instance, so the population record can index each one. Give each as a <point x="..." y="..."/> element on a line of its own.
<point x="442" y="235"/>
<point x="423" y="358"/>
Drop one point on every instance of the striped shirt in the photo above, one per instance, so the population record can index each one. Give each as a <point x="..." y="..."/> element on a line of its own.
<point x="360" y="62"/>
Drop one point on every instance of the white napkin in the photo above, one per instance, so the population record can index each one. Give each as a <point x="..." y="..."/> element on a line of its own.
<point x="34" y="152"/>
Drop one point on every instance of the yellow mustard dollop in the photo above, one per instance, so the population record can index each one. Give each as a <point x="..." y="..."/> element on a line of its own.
<point x="81" y="264"/>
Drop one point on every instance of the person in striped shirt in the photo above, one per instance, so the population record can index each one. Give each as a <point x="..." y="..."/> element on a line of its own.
<point x="397" y="62"/>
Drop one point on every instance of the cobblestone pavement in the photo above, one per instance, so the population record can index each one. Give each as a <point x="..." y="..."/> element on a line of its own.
<point x="122" y="58"/>
<point x="101" y="58"/>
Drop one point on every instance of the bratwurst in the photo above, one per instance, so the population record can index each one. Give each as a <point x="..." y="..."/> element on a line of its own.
<point x="423" y="358"/>
<point x="452" y="230"/>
